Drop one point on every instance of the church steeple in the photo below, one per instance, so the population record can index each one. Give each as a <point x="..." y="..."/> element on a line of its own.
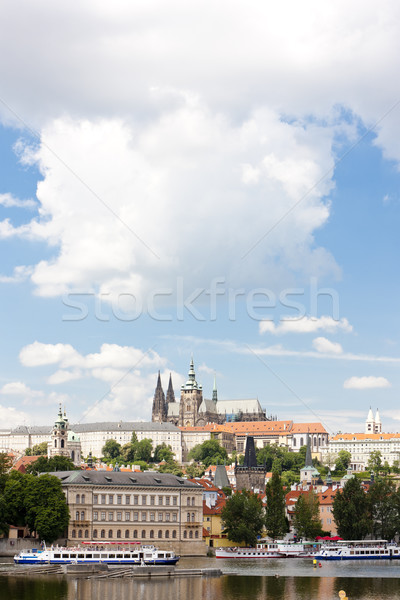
<point x="159" y="411"/>
<point x="170" y="392"/>
<point x="215" y="393"/>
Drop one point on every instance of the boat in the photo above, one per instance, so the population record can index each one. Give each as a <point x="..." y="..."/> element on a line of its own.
<point x="112" y="553"/>
<point x="277" y="549"/>
<point x="259" y="551"/>
<point x="359" y="550"/>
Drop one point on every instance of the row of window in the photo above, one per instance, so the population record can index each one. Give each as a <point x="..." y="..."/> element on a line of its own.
<point x="80" y="534"/>
<point x="136" y="500"/>
<point x="142" y="516"/>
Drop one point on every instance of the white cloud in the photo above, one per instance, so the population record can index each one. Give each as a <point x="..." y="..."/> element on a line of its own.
<point x="305" y="325"/>
<point x="366" y="383"/>
<point x="325" y="346"/>
<point x="11" y="417"/>
<point x="20" y="274"/>
<point x="18" y="388"/>
<point x="10" y="201"/>
<point x="124" y="230"/>
<point x="38" y="354"/>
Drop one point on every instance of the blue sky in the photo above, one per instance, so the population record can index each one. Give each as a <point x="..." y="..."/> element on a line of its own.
<point x="222" y="182"/>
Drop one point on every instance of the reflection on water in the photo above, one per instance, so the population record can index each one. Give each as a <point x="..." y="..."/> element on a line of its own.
<point x="227" y="587"/>
<point x="288" y="579"/>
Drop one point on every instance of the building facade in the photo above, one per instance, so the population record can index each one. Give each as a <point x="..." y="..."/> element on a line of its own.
<point x="147" y="507"/>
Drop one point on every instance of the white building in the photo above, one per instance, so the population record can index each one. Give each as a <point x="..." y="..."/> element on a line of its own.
<point x="93" y="436"/>
<point x="360" y="445"/>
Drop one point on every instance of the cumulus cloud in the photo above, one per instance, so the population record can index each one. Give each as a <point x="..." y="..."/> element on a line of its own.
<point x="322" y="344"/>
<point x="18" y="388"/>
<point x="366" y="383"/>
<point x="305" y="325"/>
<point x="11" y="417"/>
<point x="137" y="224"/>
<point x="129" y="374"/>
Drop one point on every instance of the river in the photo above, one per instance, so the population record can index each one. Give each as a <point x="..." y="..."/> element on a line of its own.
<point x="284" y="579"/>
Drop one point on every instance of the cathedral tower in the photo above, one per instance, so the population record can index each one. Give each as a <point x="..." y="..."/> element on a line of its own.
<point x="191" y="398"/>
<point x="159" y="410"/>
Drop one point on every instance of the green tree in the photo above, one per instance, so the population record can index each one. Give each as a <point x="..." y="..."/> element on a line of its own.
<point x="48" y="465"/>
<point x="111" y="450"/>
<point x="46" y="508"/>
<point x="4" y="523"/>
<point x="14" y="495"/>
<point x="163" y="452"/>
<point x="375" y="462"/>
<point x="209" y="453"/>
<point x="5" y="466"/>
<point x="382" y="499"/>
<point x="243" y="518"/>
<point x="144" y="450"/>
<point x="275" y="519"/>
<point x="128" y="451"/>
<point x="39" y="449"/>
<point x="194" y="470"/>
<point x="343" y="460"/>
<point x="351" y="511"/>
<point x="171" y="467"/>
<point x="306" y="516"/>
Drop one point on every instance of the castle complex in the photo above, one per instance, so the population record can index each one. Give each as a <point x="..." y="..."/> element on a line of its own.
<point x="195" y="411"/>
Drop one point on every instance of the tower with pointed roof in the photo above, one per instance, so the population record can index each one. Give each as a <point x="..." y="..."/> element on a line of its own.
<point x="159" y="410"/>
<point x="191" y="398"/>
<point x="378" y="424"/>
<point x="64" y="442"/>
<point x="250" y="476"/>
<point x="308" y="474"/>
<point x="215" y="393"/>
<point x="370" y="422"/>
<point x="170" y="393"/>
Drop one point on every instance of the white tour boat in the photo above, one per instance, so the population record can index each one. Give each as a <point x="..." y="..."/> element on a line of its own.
<point x="112" y="553"/>
<point x="359" y="550"/>
<point x="277" y="549"/>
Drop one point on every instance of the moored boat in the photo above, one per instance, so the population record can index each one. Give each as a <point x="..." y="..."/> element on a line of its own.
<point x="359" y="550"/>
<point x="93" y="552"/>
<point x="277" y="549"/>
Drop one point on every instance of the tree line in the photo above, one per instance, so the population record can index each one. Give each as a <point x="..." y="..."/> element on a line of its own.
<point x="36" y="502"/>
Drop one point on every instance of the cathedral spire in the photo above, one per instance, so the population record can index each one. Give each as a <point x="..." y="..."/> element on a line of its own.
<point x="170" y="391"/>
<point x="159" y="411"/>
<point x="215" y="393"/>
<point x="308" y="461"/>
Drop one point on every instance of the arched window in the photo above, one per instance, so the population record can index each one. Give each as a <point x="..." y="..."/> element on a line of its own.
<point x="301" y="441"/>
<point x="159" y="533"/>
<point x="78" y="498"/>
<point x="126" y="534"/>
<point x="103" y="533"/>
<point x="193" y="500"/>
<point x="118" y="533"/>
<point x="191" y="534"/>
<point x="294" y="441"/>
<point x="80" y="533"/>
<point x="143" y="534"/>
<point x="77" y="515"/>
<point x="110" y="533"/>
<point x="73" y="533"/>
<point x="72" y="455"/>
<point x="192" y="517"/>
<point x="188" y="501"/>
<point x="62" y="443"/>
<point x="174" y="533"/>
<point x="135" y="535"/>
<point x="196" y="534"/>
<point x="185" y="534"/>
<point x="151" y="533"/>
<point x="167" y="534"/>
<point x="315" y="441"/>
<point x="188" y="517"/>
<point x="55" y="443"/>
<point x="83" y="499"/>
<point x="86" y="533"/>
<point x="95" y="533"/>
<point x="82" y="515"/>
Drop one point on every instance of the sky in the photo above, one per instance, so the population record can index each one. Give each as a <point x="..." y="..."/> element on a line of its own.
<point x="216" y="180"/>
